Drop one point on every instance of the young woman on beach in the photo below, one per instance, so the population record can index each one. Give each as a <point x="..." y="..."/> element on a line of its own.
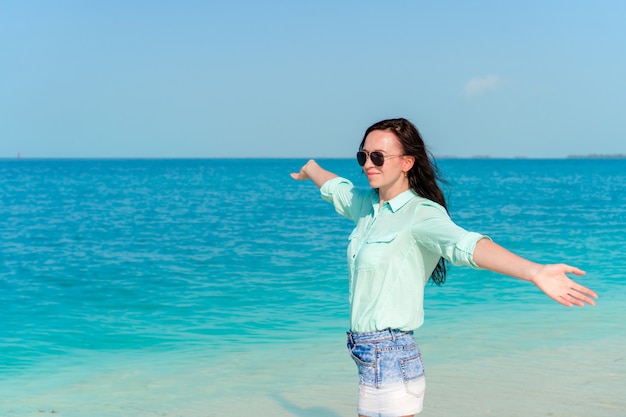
<point x="403" y="237"/>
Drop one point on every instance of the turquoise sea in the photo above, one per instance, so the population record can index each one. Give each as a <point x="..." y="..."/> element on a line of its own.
<point x="219" y="288"/>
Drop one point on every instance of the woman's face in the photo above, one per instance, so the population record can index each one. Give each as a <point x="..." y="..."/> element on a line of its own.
<point x="388" y="178"/>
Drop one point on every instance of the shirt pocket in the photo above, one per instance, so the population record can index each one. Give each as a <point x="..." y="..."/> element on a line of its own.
<point x="386" y="238"/>
<point x="376" y="248"/>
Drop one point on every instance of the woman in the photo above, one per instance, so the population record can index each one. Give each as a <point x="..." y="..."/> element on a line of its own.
<point x="403" y="237"/>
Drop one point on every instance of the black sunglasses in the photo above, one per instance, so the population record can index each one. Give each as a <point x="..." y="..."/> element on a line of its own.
<point x="378" y="158"/>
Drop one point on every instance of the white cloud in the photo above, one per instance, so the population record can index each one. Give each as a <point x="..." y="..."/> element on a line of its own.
<point x="479" y="86"/>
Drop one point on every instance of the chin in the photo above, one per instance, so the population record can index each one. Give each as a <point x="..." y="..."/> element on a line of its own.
<point x="373" y="183"/>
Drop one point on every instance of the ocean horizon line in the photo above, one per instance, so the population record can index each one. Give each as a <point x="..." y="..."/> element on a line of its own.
<point x="292" y="158"/>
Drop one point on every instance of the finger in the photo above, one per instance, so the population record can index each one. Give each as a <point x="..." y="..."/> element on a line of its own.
<point x="588" y="300"/>
<point x="564" y="300"/>
<point x="577" y="298"/>
<point x="584" y="290"/>
<point x="573" y="270"/>
<point x="583" y="298"/>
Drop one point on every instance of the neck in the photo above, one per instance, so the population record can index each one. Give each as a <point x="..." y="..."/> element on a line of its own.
<point x="391" y="192"/>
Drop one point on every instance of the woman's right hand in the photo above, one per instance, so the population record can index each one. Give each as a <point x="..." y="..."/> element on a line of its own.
<point x="302" y="175"/>
<point x="311" y="170"/>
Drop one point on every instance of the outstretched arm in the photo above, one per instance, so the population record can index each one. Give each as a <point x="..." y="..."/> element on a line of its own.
<point x="317" y="174"/>
<point x="551" y="279"/>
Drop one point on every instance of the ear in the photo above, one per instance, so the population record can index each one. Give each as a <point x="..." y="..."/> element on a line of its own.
<point x="407" y="163"/>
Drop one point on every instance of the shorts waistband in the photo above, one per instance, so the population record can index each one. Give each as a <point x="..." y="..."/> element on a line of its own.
<point x="379" y="336"/>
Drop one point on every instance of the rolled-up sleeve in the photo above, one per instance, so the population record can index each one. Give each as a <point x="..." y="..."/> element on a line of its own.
<point x="347" y="199"/>
<point x="436" y="231"/>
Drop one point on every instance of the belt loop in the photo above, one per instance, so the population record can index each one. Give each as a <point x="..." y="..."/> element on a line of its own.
<point x="350" y="337"/>
<point x="393" y="335"/>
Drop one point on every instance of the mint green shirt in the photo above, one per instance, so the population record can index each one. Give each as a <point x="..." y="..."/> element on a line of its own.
<point x="392" y="252"/>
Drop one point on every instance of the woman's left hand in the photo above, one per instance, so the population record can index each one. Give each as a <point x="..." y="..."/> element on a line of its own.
<point x="552" y="280"/>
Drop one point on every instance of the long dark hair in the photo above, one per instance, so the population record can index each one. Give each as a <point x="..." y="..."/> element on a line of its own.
<point x="423" y="176"/>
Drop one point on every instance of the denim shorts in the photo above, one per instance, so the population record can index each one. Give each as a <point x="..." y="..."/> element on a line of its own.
<point x="391" y="373"/>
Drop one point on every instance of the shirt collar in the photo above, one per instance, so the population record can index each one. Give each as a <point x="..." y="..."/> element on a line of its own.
<point x="400" y="200"/>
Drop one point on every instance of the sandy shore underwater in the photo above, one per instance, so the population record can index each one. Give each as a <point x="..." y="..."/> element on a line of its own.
<point x="529" y="372"/>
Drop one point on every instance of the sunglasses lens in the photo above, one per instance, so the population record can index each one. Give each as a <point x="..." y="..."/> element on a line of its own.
<point x="361" y="157"/>
<point x="377" y="158"/>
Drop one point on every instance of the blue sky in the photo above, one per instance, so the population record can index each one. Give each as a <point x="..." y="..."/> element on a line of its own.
<point x="295" y="79"/>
